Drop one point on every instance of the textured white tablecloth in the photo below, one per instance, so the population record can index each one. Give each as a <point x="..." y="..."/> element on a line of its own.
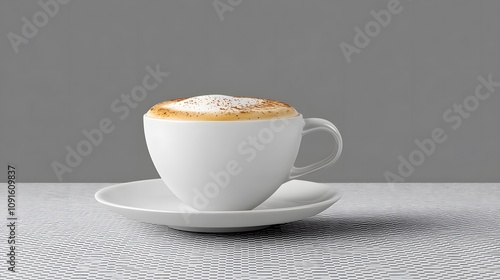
<point x="376" y="231"/>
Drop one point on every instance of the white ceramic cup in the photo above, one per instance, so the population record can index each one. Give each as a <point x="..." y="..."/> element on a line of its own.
<point x="231" y="165"/>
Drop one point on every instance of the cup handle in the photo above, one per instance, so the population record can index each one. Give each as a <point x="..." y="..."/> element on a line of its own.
<point x="315" y="124"/>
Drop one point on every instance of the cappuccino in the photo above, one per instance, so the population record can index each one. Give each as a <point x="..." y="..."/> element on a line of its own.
<point x="221" y="108"/>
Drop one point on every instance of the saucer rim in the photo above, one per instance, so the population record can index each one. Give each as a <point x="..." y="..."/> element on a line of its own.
<point x="336" y="196"/>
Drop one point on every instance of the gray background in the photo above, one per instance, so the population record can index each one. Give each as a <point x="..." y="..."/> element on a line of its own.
<point x="393" y="92"/>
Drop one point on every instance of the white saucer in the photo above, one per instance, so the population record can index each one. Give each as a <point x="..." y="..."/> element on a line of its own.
<point x="151" y="201"/>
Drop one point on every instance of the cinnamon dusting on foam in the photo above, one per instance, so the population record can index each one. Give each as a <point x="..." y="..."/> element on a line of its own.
<point x="221" y="108"/>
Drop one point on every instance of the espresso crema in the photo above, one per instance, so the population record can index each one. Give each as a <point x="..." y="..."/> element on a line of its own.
<point x="221" y="108"/>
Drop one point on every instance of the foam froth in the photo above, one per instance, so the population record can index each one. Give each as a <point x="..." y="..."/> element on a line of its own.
<point x="221" y="107"/>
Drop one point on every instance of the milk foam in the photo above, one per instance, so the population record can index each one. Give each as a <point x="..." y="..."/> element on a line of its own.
<point x="214" y="104"/>
<point x="221" y="108"/>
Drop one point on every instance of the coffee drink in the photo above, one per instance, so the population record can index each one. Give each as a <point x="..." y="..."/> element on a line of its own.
<point x="221" y="108"/>
<point x="224" y="153"/>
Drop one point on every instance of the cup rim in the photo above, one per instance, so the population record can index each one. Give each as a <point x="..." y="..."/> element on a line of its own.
<point x="145" y="116"/>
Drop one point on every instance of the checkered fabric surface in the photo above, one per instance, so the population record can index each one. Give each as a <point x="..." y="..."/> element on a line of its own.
<point x="376" y="231"/>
